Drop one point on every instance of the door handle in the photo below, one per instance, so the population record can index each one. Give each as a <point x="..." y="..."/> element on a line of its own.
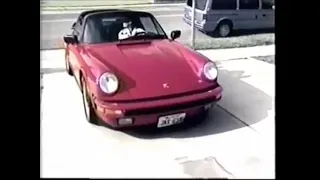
<point x="264" y="15"/>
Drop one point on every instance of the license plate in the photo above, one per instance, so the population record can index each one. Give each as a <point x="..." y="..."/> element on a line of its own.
<point x="171" y="120"/>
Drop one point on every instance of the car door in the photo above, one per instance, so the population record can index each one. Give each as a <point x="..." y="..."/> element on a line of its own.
<point x="267" y="13"/>
<point x="74" y="50"/>
<point x="248" y="14"/>
<point x="200" y="10"/>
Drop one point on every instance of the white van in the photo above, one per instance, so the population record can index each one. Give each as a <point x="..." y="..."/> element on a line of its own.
<point x="222" y="16"/>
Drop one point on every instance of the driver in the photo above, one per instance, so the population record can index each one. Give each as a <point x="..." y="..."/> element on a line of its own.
<point x="129" y="30"/>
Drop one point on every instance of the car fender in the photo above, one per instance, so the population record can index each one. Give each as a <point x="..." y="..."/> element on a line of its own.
<point x="91" y="80"/>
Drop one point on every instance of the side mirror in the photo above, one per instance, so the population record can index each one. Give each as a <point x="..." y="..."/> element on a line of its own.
<point x="175" y="34"/>
<point x="70" y="39"/>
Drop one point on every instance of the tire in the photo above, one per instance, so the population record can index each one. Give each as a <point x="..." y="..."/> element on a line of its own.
<point x="89" y="111"/>
<point x="204" y="116"/>
<point x="68" y="68"/>
<point x="224" y="29"/>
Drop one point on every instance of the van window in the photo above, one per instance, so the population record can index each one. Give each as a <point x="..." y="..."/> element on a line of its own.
<point x="200" y="4"/>
<point x="267" y="4"/>
<point x="224" y="4"/>
<point x="249" y="4"/>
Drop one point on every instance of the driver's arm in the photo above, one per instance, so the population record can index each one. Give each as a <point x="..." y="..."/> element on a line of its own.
<point x="137" y="30"/>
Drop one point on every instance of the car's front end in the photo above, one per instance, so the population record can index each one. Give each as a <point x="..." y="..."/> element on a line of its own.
<point x="160" y="112"/>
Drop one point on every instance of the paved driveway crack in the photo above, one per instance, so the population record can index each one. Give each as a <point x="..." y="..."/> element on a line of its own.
<point x="238" y="119"/>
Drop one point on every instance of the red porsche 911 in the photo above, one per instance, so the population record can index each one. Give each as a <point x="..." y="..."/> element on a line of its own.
<point x="131" y="74"/>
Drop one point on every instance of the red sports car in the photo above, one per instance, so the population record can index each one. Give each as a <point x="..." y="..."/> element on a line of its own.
<point x="131" y="74"/>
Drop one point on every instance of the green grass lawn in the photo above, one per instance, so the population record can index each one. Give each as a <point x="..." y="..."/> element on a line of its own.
<point x="268" y="59"/>
<point x="244" y="39"/>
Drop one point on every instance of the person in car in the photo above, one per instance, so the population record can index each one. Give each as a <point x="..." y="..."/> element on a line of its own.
<point x="129" y="30"/>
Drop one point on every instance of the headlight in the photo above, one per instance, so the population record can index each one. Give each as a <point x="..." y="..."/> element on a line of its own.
<point x="210" y="71"/>
<point x="108" y="83"/>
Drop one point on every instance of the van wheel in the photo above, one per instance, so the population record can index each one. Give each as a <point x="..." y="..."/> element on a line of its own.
<point x="224" y="29"/>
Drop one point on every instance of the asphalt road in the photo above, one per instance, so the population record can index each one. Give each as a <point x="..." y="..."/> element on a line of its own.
<point x="54" y="26"/>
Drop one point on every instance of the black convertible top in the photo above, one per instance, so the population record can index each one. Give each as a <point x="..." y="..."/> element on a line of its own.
<point x="83" y="15"/>
<point x="89" y="12"/>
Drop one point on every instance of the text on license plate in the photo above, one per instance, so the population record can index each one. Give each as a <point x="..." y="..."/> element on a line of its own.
<point x="171" y="120"/>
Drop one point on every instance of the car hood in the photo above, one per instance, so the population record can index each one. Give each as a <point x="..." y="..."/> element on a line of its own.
<point x="149" y="69"/>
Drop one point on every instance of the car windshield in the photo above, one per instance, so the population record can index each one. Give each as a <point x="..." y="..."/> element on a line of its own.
<point x="113" y="27"/>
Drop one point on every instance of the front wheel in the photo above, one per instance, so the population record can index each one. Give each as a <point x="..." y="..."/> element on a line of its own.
<point x="89" y="111"/>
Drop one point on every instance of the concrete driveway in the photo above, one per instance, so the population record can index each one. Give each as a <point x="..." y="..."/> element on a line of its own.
<point x="236" y="141"/>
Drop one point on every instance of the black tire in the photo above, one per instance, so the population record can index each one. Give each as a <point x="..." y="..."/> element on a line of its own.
<point x="224" y="29"/>
<point x="68" y="69"/>
<point x="89" y="111"/>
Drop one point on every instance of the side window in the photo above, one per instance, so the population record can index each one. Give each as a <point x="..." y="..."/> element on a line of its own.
<point x="86" y="35"/>
<point x="77" y="29"/>
<point x="267" y="4"/>
<point x="189" y="3"/>
<point x="75" y="32"/>
<point x="200" y="4"/>
<point x="224" y="4"/>
<point x="249" y="4"/>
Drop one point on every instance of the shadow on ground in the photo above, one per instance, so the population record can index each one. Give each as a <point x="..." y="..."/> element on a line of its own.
<point x="251" y="32"/>
<point x="52" y="70"/>
<point x="219" y="119"/>
<point x="246" y="32"/>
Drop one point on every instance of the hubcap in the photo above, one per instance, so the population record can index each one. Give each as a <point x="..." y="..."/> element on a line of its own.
<point x="224" y="30"/>
<point x="85" y="102"/>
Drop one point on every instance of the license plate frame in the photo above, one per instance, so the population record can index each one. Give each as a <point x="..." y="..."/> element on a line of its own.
<point x="172" y="119"/>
